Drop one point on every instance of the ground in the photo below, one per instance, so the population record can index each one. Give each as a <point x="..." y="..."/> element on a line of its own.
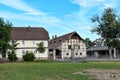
<point x="60" y="71"/>
<point x="99" y="74"/>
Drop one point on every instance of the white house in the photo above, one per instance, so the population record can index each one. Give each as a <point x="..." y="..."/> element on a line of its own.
<point x="67" y="46"/>
<point x="28" y="37"/>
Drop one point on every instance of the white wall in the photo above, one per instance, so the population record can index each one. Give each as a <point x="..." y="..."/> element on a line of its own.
<point x="80" y="52"/>
<point x="30" y="45"/>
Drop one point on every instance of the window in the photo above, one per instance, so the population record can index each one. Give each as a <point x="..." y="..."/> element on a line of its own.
<point x="33" y="42"/>
<point x="23" y="52"/>
<point x="69" y="47"/>
<point x="60" y="40"/>
<point x="78" y="47"/>
<point x="76" y="53"/>
<point x="23" y="42"/>
<point x="35" y="51"/>
<point x="80" y="53"/>
<point x="67" y="53"/>
<point x="54" y="41"/>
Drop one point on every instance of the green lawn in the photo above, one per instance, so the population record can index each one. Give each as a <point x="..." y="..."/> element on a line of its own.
<point x="50" y="70"/>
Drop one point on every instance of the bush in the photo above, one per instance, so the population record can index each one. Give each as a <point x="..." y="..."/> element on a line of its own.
<point x="29" y="56"/>
<point x="12" y="57"/>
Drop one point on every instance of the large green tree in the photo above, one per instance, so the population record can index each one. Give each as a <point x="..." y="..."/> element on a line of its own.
<point x="40" y="48"/>
<point x="5" y="36"/>
<point x="108" y="26"/>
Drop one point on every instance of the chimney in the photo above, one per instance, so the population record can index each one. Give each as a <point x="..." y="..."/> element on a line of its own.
<point x="28" y="28"/>
<point x="55" y="36"/>
<point x="52" y="37"/>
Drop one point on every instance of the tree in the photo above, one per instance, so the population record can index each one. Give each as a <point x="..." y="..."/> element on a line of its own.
<point x="89" y="43"/>
<point x="41" y="48"/>
<point x="5" y="36"/>
<point x="99" y="42"/>
<point x="108" y="26"/>
<point x="13" y="47"/>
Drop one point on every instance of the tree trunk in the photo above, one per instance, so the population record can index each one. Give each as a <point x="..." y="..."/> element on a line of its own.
<point x="39" y="56"/>
<point x="110" y="53"/>
<point x="3" y="54"/>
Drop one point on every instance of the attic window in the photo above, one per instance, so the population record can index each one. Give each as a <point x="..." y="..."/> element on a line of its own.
<point x="60" y="40"/>
<point x="54" y="41"/>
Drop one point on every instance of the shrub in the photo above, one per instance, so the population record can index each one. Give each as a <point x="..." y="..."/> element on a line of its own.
<point x="29" y="56"/>
<point x="12" y="57"/>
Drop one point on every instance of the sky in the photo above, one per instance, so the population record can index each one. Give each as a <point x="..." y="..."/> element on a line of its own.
<point x="58" y="17"/>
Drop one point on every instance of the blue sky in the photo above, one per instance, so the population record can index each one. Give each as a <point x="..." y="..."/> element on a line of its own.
<point x="58" y="17"/>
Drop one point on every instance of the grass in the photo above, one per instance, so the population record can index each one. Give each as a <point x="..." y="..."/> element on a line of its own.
<point x="50" y="70"/>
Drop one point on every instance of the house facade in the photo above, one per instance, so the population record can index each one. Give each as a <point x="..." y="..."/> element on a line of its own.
<point x="27" y="38"/>
<point x="67" y="46"/>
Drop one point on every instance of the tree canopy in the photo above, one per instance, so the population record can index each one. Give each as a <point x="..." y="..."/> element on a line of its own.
<point x="88" y="42"/>
<point x="5" y="36"/>
<point x="108" y="26"/>
<point x="40" y="48"/>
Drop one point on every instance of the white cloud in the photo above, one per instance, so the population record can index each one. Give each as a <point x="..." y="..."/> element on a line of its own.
<point x="97" y="3"/>
<point x="22" y="6"/>
<point x="48" y="21"/>
<point x="87" y="3"/>
<point x="40" y="17"/>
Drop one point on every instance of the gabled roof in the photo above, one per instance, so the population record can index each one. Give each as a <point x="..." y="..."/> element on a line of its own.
<point x="29" y="33"/>
<point x="57" y="40"/>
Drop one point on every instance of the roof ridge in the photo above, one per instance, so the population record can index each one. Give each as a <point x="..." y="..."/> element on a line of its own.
<point x="66" y="34"/>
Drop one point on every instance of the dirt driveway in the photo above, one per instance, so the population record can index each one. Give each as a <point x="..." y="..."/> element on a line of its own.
<point x="99" y="74"/>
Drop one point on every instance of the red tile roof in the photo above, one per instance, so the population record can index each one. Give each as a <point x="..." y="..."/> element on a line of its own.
<point x="29" y="33"/>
